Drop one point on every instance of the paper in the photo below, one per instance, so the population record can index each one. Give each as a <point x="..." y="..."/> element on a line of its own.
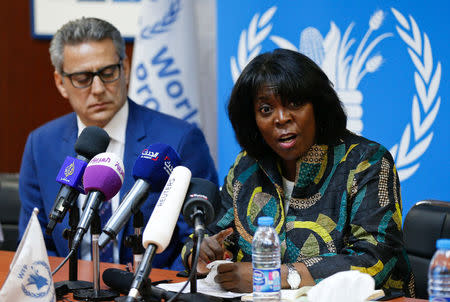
<point x="349" y="286"/>
<point x="205" y="286"/>
<point x="298" y="295"/>
<point x="202" y="287"/>
<point x="344" y="286"/>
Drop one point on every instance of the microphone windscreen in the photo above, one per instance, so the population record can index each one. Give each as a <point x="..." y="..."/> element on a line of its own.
<point x="121" y="281"/>
<point x="161" y="224"/>
<point x="155" y="164"/>
<point x="104" y="173"/>
<point x="204" y="195"/>
<point x="92" y="141"/>
<point x="118" y="279"/>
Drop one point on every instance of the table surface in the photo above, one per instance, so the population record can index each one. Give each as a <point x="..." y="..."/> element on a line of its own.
<point x="85" y="272"/>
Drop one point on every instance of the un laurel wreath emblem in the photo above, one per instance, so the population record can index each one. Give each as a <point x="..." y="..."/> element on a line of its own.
<point x="162" y="25"/>
<point x="427" y="76"/>
<point x="36" y="280"/>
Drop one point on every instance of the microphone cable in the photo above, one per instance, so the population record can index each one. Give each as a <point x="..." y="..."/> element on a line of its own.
<point x="63" y="262"/>
<point x="191" y="274"/>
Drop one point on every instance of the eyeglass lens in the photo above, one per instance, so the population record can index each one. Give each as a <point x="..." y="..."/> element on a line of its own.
<point x="107" y="74"/>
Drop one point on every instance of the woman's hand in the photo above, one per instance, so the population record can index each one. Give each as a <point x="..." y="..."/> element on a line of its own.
<point x="236" y="277"/>
<point x="212" y="248"/>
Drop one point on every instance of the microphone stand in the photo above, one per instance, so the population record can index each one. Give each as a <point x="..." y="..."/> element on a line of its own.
<point x="64" y="287"/>
<point x="95" y="294"/>
<point x="147" y="292"/>
<point x="134" y="241"/>
<point x="194" y="276"/>
<point x="199" y="233"/>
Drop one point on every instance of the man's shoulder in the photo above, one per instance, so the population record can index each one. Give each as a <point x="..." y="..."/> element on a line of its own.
<point x="56" y="126"/>
<point x="147" y="114"/>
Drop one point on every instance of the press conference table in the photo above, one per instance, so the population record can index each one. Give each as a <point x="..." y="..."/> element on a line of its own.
<point x="85" y="272"/>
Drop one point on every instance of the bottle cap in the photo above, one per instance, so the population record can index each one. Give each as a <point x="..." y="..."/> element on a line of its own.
<point x="440" y="243"/>
<point x="265" y="221"/>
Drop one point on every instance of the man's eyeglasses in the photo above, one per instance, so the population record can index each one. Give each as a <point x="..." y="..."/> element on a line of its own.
<point x="107" y="74"/>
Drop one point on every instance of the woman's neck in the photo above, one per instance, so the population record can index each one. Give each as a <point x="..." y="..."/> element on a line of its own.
<point x="289" y="169"/>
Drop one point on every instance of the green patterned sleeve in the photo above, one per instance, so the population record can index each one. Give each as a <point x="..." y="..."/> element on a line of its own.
<point x="373" y="231"/>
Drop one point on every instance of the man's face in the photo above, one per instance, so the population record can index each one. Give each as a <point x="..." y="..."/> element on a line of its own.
<point x="98" y="103"/>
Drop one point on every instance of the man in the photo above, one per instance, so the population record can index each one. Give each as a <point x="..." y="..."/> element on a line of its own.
<point x="92" y="72"/>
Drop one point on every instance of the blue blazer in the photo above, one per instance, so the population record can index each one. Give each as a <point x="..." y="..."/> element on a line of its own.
<point x="48" y="146"/>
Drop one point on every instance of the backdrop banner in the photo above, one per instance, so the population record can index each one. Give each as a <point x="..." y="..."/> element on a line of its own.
<point x="164" y="74"/>
<point x="388" y="61"/>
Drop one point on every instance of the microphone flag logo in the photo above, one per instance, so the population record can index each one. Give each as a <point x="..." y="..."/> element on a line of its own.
<point x="69" y="170"/>
<point x="150" y="154"/>
<point x="71" y="173"/>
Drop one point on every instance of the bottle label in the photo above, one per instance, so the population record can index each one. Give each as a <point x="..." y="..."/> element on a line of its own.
<point x="439" y="299"/>
<point x="266" y="280"/>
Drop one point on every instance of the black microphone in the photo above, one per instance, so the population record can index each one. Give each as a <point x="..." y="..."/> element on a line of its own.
<point x="121" y="280"/>
<point x="201" y="204"/>
<point x="92" y="141"/>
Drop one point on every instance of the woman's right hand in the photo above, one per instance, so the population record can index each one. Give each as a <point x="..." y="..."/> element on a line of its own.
<point x="212" y="249"/>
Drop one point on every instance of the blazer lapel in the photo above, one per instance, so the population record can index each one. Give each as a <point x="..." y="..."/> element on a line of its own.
<point x="70" y="135"/>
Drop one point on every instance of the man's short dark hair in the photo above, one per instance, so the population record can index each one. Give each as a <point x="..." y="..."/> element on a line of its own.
<point x="296" y="78"/>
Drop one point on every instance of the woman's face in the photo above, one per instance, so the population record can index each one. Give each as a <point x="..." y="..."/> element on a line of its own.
<point x="289" y="130"/>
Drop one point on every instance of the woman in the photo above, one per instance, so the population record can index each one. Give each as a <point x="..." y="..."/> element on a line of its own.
<point x="334" y="196"/>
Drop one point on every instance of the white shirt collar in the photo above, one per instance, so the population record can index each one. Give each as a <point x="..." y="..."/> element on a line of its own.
<point x="117" y="126"/>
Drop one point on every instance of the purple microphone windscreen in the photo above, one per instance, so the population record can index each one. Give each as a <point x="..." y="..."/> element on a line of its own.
<point x="92" y="141"/>
<point x="104" y="173"/>
<point x="155" y="164"/>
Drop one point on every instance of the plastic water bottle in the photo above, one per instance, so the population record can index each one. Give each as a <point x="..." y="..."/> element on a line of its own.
<point x="266" y="261"/>
<point x="439" y="273"/>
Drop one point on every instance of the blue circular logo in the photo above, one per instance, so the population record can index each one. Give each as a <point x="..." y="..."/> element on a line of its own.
<point x="36" y="279"/>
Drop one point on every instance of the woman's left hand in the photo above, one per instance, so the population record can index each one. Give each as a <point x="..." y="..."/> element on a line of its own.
<point x="236" y="276"/>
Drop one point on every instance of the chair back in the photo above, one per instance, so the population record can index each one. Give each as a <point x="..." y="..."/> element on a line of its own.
<point x="9" y="210"/>
<point x="426" y="222"/>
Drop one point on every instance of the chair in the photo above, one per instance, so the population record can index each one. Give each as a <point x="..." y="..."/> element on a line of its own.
<point x="426" y="222"/>
<point x="9" y="210"/>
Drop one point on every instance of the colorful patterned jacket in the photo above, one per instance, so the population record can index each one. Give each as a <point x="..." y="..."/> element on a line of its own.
<point x="345" y="211"/>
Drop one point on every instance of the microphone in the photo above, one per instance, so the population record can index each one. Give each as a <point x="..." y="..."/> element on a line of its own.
<point x="201" y="204"/>
<point x="121" y="280"/>
<point x="151" y="171"/>
<point x="102" y="180"/>
<point x="92" y="141"/>
<point x="159" y="229"/>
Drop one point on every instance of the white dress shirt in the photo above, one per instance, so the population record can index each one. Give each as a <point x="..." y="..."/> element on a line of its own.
<point x="288" y="187"/>
<point x="116" y="129"/>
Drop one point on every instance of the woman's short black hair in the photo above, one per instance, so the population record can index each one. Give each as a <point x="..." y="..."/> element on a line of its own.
<point x="296" y="78"/>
